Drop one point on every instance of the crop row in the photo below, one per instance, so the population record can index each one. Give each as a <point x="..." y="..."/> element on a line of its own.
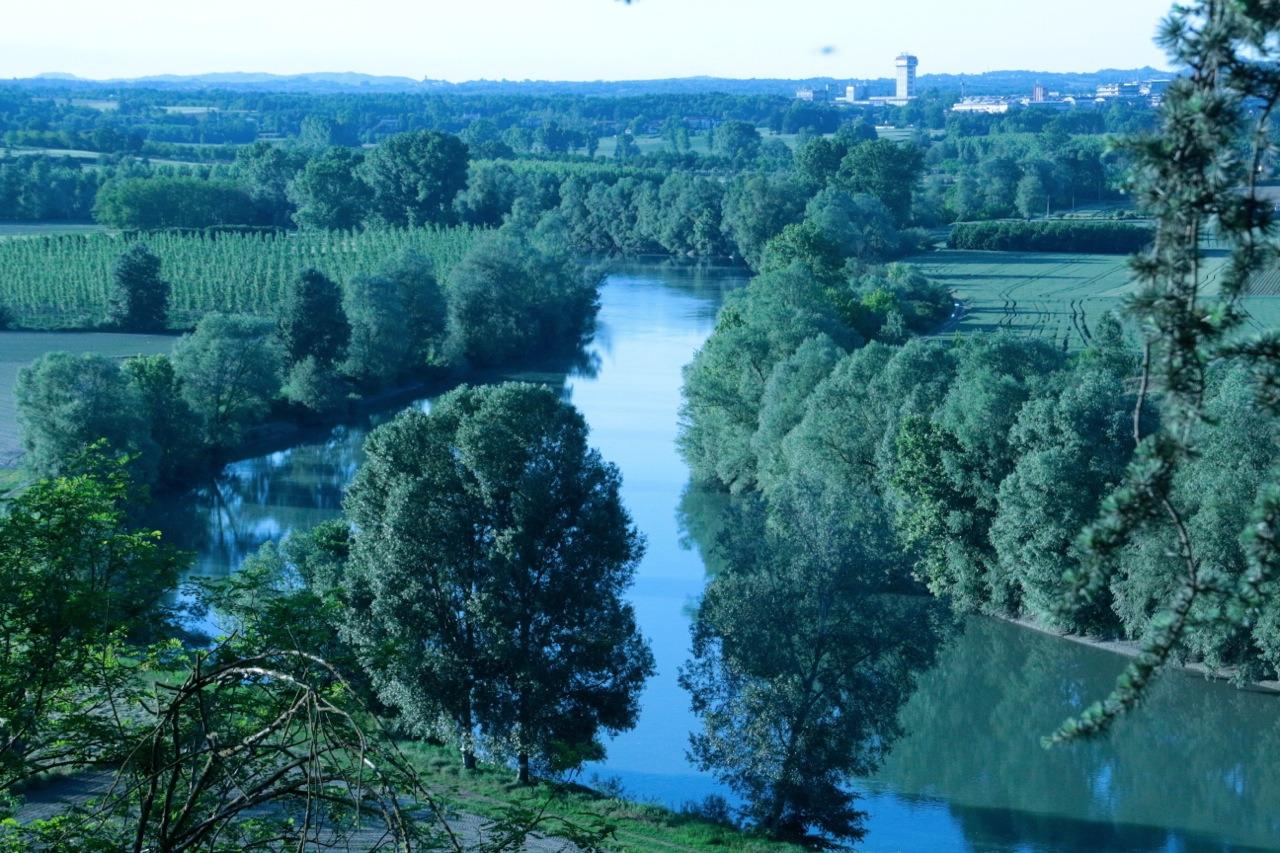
<point x="64" y="281"/>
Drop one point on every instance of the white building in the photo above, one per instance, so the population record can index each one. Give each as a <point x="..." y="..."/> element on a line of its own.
<point x="906" y="65"/>
<point x="984" y="105"/>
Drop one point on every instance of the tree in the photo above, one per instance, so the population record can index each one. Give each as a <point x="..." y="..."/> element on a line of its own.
<point x="514" y="296"/>
<point x="758" y="327"/>
<point x="757" y="208"/>
<point x="139" y="298"/>
<point x="174" y="202"/>
<point x="168" y="417"/>
<point x="492" y="189"/>
<point x="66" y="403"/>
<point x="490" y="556"/>
<point x="737" y="141"/>
<point x="230" y="369"/>
<point x="328" y="192"/>
<point x="312" y="323"/>
<point x="885" y="169"/>
<point x="73" y="579"/>
<point x="398" y="320"/>
<point x="1032" y="198"/>
<point x="265" y="171"/>
<point x="415" y="176"/>
<point x="1198" y="171"/>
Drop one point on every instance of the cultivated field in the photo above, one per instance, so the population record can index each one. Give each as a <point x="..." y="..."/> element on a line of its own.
<point x="21" y="348"/>
<point x="63" y="281"/>
<point x="1056" y="296"/>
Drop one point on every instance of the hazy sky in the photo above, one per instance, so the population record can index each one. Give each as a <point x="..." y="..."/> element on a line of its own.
<point x="573" y="39"/>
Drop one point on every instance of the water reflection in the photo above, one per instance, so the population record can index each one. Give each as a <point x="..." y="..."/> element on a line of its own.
<point x="1191" y="770"/>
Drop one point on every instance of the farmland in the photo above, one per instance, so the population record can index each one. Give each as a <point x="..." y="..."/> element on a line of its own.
<point x="20" y="348"/>
<point x="63" y="281"/>
<point x="1056" y="296"/>
<point x="9" y="230"/>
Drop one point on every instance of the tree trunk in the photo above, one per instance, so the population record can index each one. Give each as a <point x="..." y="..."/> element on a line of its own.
<point x="468" y="739"/>
<point x="522" y="773"/>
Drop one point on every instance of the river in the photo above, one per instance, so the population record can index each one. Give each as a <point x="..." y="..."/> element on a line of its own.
<point x="1195" y="769"/>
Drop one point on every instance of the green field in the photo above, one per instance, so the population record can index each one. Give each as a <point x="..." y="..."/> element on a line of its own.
<point x="62" y="282"/>
<point x="21" y="348"/>
<point x="1056" y="296"/>
<point x="9" y="230"/>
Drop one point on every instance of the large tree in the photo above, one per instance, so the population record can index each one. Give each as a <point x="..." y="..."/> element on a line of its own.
<point x="415" y="176"/>
<point x="139" y="298"/>
<point x="67" y="403"/>
<point x="230" y="369"/>
<point x="398" y="319"/>
<point x="311" y="322"/>
<point x="328" y="192"/>
<point x="515" y="295"/>
<point x="490" y="555"/>
<point x="884" y="169"/>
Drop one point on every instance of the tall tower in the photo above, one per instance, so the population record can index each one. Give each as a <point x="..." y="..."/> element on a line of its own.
<point x="906" y="76"/>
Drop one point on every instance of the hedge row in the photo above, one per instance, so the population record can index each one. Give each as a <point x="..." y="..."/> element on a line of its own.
<point x="1056" y="235"/>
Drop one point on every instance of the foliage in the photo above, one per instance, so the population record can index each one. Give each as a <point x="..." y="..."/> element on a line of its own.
<point x="140" y="300"/>
<point x="415" y="176"/>
<point x="1190" y="176"/>
<point x="327" y="192"/>
<point x="230" y="370"/>
<point x="68" y="403"/>
<point x="1051" y="236"/>
<point x="74" y="582"/>
<point x="398" y="318"/>
<point x="489" y="557"/>
<point x="517" y="294"/>
<point x="174" y="202"/>
<point x="311" y="323"/>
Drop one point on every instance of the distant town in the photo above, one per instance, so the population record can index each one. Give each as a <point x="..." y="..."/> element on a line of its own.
<point x="1136" y="93"/>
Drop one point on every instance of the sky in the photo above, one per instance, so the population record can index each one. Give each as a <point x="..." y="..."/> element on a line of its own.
<point x="574" y="39"/>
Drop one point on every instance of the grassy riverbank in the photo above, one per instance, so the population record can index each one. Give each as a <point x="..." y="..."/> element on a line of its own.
<point x="490" y="792"/>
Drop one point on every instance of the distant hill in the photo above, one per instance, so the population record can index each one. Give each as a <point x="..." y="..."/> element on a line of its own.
<point x="991" y="82"/>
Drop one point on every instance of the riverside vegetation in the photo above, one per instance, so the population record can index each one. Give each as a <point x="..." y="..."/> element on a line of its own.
<point x="473" y="595"/>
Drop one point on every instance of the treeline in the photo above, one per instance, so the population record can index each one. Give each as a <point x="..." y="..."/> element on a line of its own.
<point x="1108" y="238"/>
<point x="151" y="121"/>
<point x="1022" y="174"/>
<point x="969" y="469"/>
<point x="513" y="296"/>
<point x="807" y="640"/>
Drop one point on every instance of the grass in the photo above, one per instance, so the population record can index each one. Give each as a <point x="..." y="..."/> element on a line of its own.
<point x="490" y="790"/>
<point x="18" y="349"/>
<point x="1058" y="296"/>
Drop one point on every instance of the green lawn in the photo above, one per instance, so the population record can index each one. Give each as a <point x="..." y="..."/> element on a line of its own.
<point x="21" y="348"/>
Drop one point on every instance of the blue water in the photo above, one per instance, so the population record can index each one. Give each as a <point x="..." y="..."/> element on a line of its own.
<point x="1195" y="770"/>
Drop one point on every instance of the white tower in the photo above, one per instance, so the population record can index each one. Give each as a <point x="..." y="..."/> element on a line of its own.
<point x="906" y="76"/>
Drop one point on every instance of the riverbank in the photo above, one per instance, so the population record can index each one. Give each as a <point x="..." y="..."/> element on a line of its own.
<point x="490" y="792"/>
<point x="1131" y="649"/>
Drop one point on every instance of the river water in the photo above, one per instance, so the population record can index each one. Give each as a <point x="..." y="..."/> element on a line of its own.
<point x="1195" y="769"/>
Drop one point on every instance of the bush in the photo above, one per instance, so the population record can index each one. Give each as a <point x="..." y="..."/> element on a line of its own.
<point x="1108" y="238"/>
